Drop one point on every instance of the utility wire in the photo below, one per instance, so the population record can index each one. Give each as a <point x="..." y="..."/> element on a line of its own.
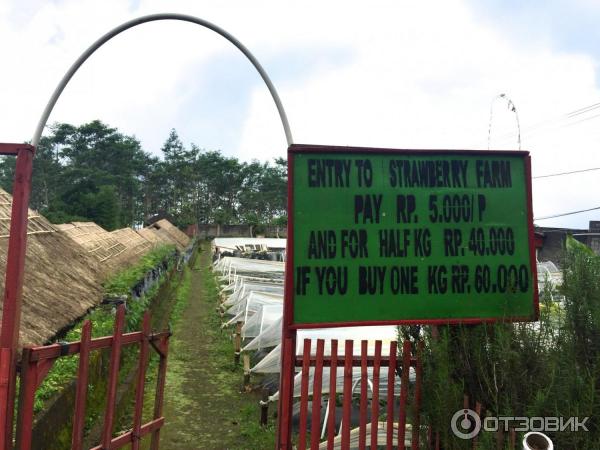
<point x="567" y="214"/>
<point x="566" y="173"/>
<point x="558" y="121"/>
<point x="583" y="110"/>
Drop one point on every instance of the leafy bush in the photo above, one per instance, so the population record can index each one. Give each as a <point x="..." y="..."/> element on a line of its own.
<point x="550" y="368"/>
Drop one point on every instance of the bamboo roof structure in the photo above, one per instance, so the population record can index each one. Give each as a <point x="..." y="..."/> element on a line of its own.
<point x="37" y="223"/>
<point x="132" y="240"/>
<point x="95" y="239"/>
<point x="170" y="232"/>
<point x="62" y="280"/>
<point x="151" y="235"/>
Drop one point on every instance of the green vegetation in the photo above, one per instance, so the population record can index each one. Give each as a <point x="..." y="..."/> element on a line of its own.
<point x="102" y="318"/>
<point x="204" y="405"/>
<point x="547" y="369"/>
<point x="251" y="434"/>
<point x="122" y="282"/>
<point x="93" y="172"/>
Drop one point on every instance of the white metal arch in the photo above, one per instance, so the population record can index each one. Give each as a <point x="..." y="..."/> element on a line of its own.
<point x="153" y="18"/>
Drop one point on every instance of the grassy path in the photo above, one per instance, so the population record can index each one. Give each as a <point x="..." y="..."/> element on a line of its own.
<point x="204" y="408"/>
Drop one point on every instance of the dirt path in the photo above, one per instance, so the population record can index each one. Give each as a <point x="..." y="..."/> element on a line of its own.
<point x="203" y="406"/>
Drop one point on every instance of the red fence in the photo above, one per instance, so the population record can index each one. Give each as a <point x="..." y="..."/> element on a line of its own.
<point x="37" y="361"/>
<point x="391" y="433"/>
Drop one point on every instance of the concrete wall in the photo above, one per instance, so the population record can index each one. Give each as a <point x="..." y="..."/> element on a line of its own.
<point x="554" y="241"/>
<point x="206" y="231"/>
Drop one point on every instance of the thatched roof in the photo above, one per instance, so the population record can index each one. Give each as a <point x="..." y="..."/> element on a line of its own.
<point x="66" y="264"/>
<point x="37" y="224"/>
<point x="151" y="235"/>
<point x="169" y="231"/>
<point x="62" y="281"/>
<point x="95" y="239"/>
<point x="132" y="240"/>
<point x="115" y="249"/>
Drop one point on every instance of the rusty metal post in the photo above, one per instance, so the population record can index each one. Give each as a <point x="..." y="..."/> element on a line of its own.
<point x="237" y="342"/>
<point x="113" y="379"/>
<point x="82" y="386"/>
<point x="264" y="407"/>
<point x="13" y="288"/>
<point x="160" y="392"/>
<point x="29" y="377"/>
<point x="141" y="380"/>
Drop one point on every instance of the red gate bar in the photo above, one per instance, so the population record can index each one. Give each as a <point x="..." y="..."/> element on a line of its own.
<point x="37" y="361"/>
<point x="14" y="149"/>
<point x="82" y="384"/>
<point x="375" y="397"/>
<point x="315" y="428"/>
<point x="390" y="396"/>
<point x="127" y="438"/>
<point x="332" y="392"/>
<point x="113" y="377"/>
<point x="163" y="351"/>
<point x="141" y="381"/>
<point x="346" y="433"/>
<point x="13" y="286"/>
<point x="346" y="406"/>
<point x="288" y="359"/>
<point x="26" y="401"/>
<point x="403" y="394"/>
<point x="362" y="436"/>
<point x="5" y="362"/>
<point x="304" y="394"/>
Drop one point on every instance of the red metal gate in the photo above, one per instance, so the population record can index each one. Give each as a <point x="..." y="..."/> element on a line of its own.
<point x="392" y="432"/>
<point x="37" y="361"/>
<point x="13" y="286"/>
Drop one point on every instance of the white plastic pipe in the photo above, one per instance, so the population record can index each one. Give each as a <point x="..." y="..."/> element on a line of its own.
<point x="534" y="440"/>
<point x="152" y="18"/>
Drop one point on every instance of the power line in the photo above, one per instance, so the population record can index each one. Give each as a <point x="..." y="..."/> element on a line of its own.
<point x="567" y="214"/>
<point x="566" y="173"/>
<point x="583" y="110"/>
<point x="556" y="121"/>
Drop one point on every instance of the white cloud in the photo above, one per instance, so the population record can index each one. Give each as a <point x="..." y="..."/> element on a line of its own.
<point x="421" y="75"/>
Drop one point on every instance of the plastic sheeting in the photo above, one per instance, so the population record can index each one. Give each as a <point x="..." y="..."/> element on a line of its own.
<point x="240" y="280"/>
<point x="230" y="264"/>
<point x="253" y="302"/>
<point x="245" y="243"/>
<point x="548" y="272"/>
<point x="271" y="362"/>
<point x="242" y="293"/>
<point x="339" y="381"/>
<point x="549" y="276"/>
<point x="270" y="337"/>
<point x="381" y="437"/>
<point x="262" y="319"/>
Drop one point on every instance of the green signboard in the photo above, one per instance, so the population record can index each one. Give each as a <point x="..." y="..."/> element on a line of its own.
<point x="396" y="236"/>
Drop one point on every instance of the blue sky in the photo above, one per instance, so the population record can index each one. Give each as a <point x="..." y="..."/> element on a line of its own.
<point x="567" y="26"/>
<point x="394" y="73"/>
<point x="219" y="90"/>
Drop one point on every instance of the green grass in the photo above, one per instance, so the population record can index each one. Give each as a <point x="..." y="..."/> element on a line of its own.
<point x="252" y="434"/>
<point x="204" y="405"/>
